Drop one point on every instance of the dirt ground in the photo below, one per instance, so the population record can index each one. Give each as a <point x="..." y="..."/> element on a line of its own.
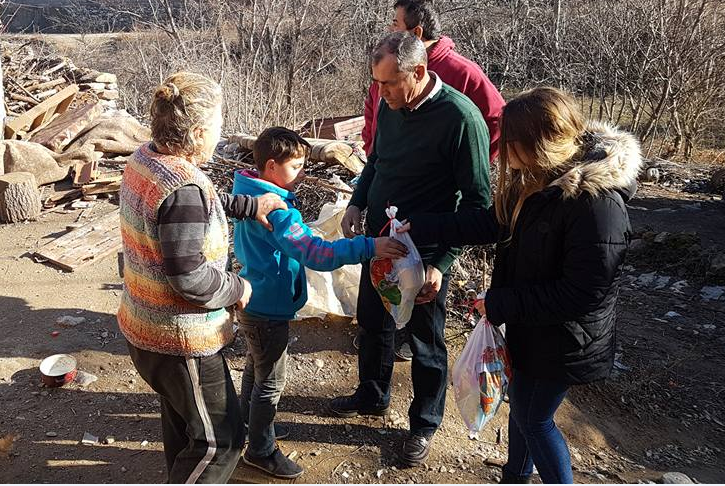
<point x="661" y="411"/>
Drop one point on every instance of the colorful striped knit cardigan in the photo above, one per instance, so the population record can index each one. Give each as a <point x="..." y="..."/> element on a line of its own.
<point x="152" y="316"/>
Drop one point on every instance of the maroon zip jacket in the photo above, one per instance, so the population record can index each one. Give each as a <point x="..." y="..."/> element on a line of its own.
<point x="458" y="72"/>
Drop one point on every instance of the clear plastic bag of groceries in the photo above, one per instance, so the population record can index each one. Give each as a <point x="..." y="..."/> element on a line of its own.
<point x="481" y="376"/>
<point x="398" y="281"/>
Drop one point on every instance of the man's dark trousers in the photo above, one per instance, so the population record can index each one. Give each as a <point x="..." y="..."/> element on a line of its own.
<point x="376" y="355"/>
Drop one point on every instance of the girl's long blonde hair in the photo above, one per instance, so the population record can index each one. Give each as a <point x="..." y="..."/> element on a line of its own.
<point x="549" y="127"/>
<point x="182" y="103"/>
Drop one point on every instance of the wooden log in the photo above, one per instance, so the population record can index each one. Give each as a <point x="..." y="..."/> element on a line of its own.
<point x="46" y="85"/>
<point x="19" y="197"/>
<point x="90" y="189"/>
<point x="27" y="99"/>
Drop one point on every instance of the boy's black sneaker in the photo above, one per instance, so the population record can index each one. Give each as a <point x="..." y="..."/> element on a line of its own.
<point x="350" y="406"/>
<point x="276" y="464"/>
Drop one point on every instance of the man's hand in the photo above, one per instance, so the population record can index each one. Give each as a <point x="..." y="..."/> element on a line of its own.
<point x="267" y="203"/>
<point x="351" y="222"/>
<point x="431" y="287"/>
<point x="386" y="247"/>
<point x="246" y="295"/>
<point x="480" y="306"/>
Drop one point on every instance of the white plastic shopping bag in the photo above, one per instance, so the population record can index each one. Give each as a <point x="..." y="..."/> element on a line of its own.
<point x="481" y="376"/>
<point x="398" y="281"/>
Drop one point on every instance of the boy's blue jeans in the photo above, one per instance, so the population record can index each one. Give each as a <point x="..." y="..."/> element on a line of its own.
<point x="533" y="435"/>
<point x="263" y="380"/>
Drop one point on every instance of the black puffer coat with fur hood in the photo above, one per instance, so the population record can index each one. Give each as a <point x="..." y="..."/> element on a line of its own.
<point x="555" y="283"/>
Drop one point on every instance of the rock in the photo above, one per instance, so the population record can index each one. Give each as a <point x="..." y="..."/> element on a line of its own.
<point x="443" y="469"/>
<point x="675" y="478"/>
<point x="345" y="475"/>
<point x="70" y="321"/>
<point x="379" y="473"/>
<point x="108" y="95"/>
<point x="19" y="197"/>
<point x="717" y="265"/>
<point x="123" y="469"/>
<point x="109" y="440"/>
<point x="319" y="363"/>
<point x="85" y="379"/>
<point x="107" y="78"/>
<point x="144" y="443"/>
<point x="673" y="314"/>
<point x="51" y="434"/>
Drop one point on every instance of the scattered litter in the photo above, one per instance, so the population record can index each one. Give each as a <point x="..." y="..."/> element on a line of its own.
<point x="348" y="428"/>
<point x="379" y="473"/>
<point x="70" y="321"/>
<point x="709" y="327"/>
<point x="292" y="455"/>
<point x="109" y="440"/>
<point x="6" y="444"/>
<point x="345" y="475"/>
<point x="673" y="314"/>
<point x="55" y="333"/>
<point x="123" y="469"/>
<point x="144" y="443"/>
<point x="89" y="439"/>
<point x="319" y="363"/>
<point x="51" y="434"/>
<point x="85" y="379"/>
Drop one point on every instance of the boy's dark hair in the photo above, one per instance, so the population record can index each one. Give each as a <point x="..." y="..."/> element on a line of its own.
<point x="279" y="144"/>
<point x="421" y="12"/>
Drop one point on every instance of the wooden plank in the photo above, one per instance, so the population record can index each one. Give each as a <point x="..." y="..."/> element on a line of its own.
<point x="84" y="173"/>
<point x="85" y="245"/>
<point x="41" y="113"/>
<point x="348" y="129"/>
<point x="91" y="189"/>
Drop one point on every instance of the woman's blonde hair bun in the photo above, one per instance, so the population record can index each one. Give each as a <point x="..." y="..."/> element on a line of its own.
<point x="167" y="92"/>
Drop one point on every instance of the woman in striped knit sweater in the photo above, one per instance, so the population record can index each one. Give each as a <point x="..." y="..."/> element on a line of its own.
<point x="176" y="287"/>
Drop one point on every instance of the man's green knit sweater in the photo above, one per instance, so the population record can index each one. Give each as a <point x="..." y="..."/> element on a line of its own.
<point x="427" y="161"/>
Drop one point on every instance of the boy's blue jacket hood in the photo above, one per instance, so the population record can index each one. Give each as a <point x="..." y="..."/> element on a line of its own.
<point x="274" y="261"/>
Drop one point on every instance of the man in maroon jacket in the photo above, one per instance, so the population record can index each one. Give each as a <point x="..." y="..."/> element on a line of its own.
<point x="420" y="18"/>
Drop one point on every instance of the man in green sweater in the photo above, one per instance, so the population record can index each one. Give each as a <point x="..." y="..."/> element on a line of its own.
<point x="430" y="155"/>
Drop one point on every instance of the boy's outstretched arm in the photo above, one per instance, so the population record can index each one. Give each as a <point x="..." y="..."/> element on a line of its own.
<point x="294" y="238"/>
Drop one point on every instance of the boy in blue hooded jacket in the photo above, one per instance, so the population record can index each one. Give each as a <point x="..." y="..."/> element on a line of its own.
<point x="274" y="263"/>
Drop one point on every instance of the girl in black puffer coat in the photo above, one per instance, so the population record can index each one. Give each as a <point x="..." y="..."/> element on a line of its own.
<point x="562" y="231"/>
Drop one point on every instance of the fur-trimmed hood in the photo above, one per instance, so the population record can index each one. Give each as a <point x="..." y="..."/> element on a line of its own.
<point x="611" y="161"/>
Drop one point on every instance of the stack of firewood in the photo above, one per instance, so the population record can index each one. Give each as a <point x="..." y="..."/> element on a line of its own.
<point x="29" y="79"/>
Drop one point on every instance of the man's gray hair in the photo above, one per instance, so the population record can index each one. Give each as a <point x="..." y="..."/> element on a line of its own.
<point x="408" y="50"/>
